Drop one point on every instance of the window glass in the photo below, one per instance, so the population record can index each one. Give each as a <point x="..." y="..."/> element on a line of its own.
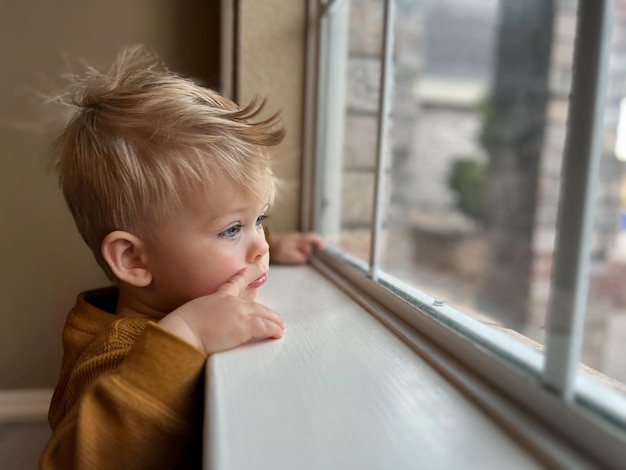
<point x="478" y="126"/>
<point x="604" y="345"/>
<point x="357" y="160"/>
<point x="472" y="173"/>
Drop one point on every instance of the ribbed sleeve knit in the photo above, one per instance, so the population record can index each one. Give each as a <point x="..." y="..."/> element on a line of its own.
<point x="129" y="395"/>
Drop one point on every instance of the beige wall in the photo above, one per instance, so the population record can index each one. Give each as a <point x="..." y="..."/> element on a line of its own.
<point x="44" y="262"/>
<point x="271" y="64"/>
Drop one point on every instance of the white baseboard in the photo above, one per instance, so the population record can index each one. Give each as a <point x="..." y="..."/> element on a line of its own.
<point x="17" y="406"/>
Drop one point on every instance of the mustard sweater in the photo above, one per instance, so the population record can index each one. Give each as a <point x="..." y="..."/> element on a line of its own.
<point x="130" y="395"/>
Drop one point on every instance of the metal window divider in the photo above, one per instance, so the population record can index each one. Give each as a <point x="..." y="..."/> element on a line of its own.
<point x="580" y="172"/>
<point x="382" y="149"/>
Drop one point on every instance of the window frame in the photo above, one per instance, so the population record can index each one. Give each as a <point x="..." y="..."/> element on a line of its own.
<point x="549" y="387"/>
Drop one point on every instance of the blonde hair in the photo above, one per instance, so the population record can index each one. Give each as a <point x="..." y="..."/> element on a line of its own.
<point x="142" y="138"/>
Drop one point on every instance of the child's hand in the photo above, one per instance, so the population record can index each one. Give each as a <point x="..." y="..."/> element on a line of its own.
<point x="293" y="247"/>
<point x="223" y="320"/>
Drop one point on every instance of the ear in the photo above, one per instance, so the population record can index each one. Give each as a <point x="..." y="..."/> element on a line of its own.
<point x="125" y="255"/>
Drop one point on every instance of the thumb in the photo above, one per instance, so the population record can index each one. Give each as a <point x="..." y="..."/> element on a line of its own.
<point x="235" y="285"/>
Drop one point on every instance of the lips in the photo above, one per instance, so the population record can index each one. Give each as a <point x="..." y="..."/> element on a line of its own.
<point x="258" y="282"/>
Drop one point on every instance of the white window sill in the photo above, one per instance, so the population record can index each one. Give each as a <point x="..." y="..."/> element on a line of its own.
<point x="341" y="390"/>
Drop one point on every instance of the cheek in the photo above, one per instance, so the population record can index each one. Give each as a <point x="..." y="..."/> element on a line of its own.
<point x="218" y="273"/>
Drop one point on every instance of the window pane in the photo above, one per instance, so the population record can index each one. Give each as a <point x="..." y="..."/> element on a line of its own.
<point x="604" y="346"/>
<point x="474" y="157"/>
<point x="355" y="76"/>
<point x="478" y="125"/>
<point x="477" y="129"/>
<point x="480" y="100"/>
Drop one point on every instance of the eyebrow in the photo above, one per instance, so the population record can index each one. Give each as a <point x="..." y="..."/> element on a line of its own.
<point x="217" y="218"/>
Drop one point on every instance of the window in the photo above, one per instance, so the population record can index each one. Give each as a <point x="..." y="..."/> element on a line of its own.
<point x="469" y="175"/>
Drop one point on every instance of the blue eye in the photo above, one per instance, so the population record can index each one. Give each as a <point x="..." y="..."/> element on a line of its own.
<point x="260" y="219"/>
<point x="231" y="232"/>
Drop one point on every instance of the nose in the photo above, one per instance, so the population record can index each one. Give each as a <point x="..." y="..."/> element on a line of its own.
<point x="258" y="246"/>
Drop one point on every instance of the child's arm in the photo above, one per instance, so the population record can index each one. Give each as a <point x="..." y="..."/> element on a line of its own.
<point x="293" y="247"/>
<point x="138" y="415"/>
<point x="143" y="413"/>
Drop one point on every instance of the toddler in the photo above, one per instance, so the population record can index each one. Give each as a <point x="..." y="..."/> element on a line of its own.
<point x="168" y="183"/>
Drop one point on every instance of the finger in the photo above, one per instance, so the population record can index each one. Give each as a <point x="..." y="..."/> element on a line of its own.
<point x="298" y="254"/>
<point x="313" y="239"/>
<point x="235" y="285"/>
<point x="301" y="256"/>
<point x="270" y="315"/>
<point x="306" y="245"/>
<point x="265" y="328"/>
<point x="274" y="331"/>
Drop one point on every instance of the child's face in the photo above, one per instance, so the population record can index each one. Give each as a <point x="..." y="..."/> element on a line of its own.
<point x="205" y="244"/>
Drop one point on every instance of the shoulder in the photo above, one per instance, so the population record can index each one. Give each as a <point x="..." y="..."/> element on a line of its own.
<point x="93" y="323"/>
<point x="95" y="340"/>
